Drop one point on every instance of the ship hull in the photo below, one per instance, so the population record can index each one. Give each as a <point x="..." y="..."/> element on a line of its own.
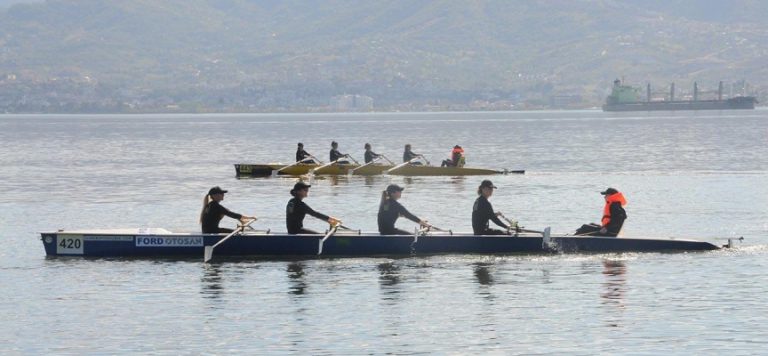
<point x="740" y="103"/>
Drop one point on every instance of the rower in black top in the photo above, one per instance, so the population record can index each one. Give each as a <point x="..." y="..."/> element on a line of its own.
<point x="303" y="156"/>
<point x="390" y="210"/>
<point x="369" y="154"/>
<point x="336" y="155"/>
<point x="213" y="212"/>
<point x="408" y="154"/>
<point x="482" y="212"/>
<point x="296" y="210"/>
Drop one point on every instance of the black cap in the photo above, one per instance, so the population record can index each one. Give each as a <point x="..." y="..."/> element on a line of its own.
<point x="487" y="184"/>
<point x="300" y="186"/>
<point x="457" y="146"/>
<point x="609" y="191"/>
<point x="394" y="188"/>
<point x="216" y="190"/>
<point x="301" y="144"/>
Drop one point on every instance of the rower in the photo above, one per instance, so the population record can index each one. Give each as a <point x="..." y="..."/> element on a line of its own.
<point x="409" y="155"/>
<point x="213" y="212"/>
<point x="296" y="210"/>
<point x="482" y="212"/>
<point x="369" y="154"/>
<point x="336" y="155"/>
<point x="390" y="210"/>
<point x="457" y="158"/>
<point x="613" y="216"/>
<point x="303" y="156"/>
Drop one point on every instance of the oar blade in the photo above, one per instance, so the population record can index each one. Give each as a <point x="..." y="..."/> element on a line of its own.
<point x="208" y="254"/>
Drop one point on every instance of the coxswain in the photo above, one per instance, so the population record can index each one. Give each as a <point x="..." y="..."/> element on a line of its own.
<point x="213" y="212"/>
<point x="457" y="158"/>
<point x="390" y="210"/>
<point x="482" y="212"/>
<point x="336" y="155"/>
<point x="613" y="216"/>
<point x="369" y="154"/>
<point x="303" y="156"/>
<point x="296" y="210"/>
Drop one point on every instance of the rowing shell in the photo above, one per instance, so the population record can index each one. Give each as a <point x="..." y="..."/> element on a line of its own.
<point x="265" y="170"/>
<point x="160" y="242"/>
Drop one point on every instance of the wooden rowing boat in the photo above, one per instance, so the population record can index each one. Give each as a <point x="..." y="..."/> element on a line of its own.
<point x="269" y="169"/>
<point x="160" y="242"/>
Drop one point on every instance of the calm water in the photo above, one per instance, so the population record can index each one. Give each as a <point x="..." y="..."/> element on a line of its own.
<point x="699" y="175"/>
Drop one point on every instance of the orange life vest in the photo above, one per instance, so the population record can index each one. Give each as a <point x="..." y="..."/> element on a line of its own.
<point x="613" y="198"/>
<point x="456" y="155"/>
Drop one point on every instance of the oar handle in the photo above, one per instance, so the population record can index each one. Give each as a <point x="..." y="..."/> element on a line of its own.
<point x="512" y="223"/>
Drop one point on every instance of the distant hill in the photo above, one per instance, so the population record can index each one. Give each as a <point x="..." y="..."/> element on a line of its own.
<point x="241" y="55"/>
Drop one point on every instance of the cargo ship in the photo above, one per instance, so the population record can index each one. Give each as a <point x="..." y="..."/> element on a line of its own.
<point x="627" y="98"/>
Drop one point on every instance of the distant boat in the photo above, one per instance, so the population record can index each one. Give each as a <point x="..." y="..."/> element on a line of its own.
<point x="369" y="169"/>
<point x="626" y="98"/>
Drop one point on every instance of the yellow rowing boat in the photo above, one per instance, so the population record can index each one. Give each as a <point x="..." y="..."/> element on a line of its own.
<point x="411" y="170"/>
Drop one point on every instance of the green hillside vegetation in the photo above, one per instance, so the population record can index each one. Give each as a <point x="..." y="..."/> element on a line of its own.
<point x="197" y="55"/>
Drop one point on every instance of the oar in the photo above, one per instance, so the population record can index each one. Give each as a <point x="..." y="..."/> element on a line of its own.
<point x="385" y="157"/>
<point x="330" y="233"/>
<point x="352" y="171"/>
<point x="400" y="165"/>
<point x="512" y="224"/>
<point x="208" y="253"/>
<point x="275" y="172"/>
<point x="546" y="242"/>
<point x="312" y="172"/>
<point x="353" y="160"/>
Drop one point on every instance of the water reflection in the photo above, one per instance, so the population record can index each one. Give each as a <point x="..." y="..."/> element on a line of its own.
<point x="614" y="289"/>
<point x="482" y="273"/>
<point x="484" y="278"/>
<point x="458" y="183"/>
<point x="337" y="179"/>
<point x="298" y="285"/>
<point x="212" y="282"/>
<point x="389" y="278"/>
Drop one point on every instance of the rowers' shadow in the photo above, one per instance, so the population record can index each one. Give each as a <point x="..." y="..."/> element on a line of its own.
<point x="298" y="285"/>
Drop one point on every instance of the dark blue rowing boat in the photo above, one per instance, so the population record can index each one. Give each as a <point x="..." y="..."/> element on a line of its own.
<point x="160" y="242"/>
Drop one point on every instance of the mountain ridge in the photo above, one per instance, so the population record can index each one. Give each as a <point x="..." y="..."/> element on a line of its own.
<point x="291" y="55"/>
